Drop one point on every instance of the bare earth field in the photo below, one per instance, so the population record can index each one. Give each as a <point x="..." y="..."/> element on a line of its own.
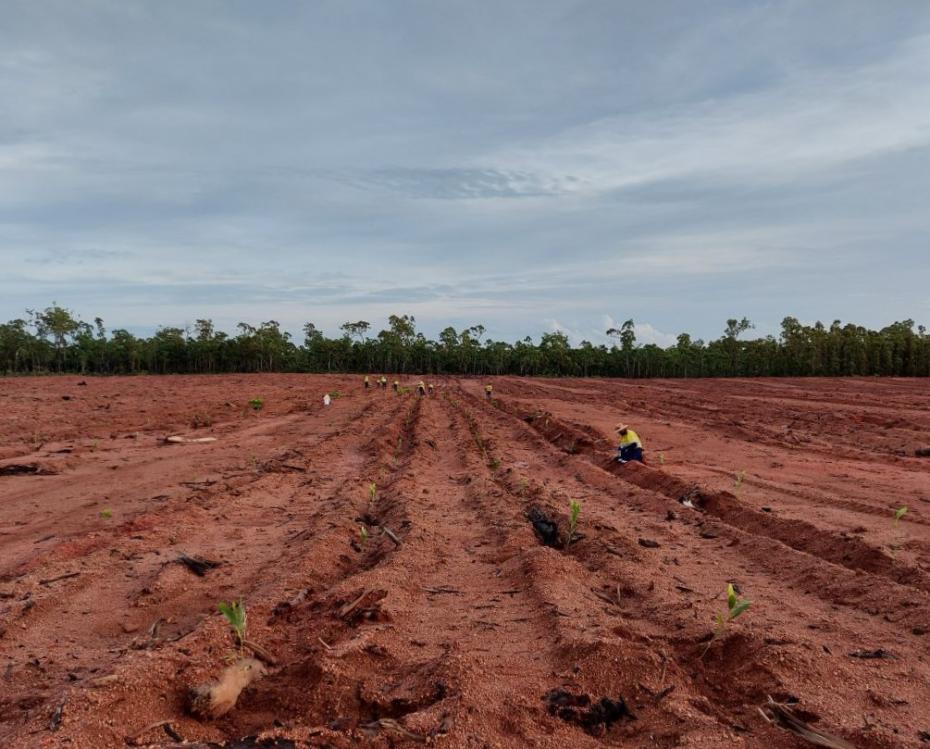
<point x="467" y="630"/>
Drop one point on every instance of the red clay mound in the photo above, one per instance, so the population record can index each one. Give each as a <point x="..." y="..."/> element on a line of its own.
<point x="411" y="571"/>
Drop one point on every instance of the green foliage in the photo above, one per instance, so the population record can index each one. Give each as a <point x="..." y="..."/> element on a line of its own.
<point x="363" y="534"/>
<point x="899" y="513"/>
<point x="335" y="394"/>
<point x="55" y="339"/>
<point x="106" y="514"/>
<point x="523" y="486"/>
<point x="736" y="606"/>
<point x="234" y="612"/>
<point x="495" y="464"/>
<point x="372" y="491"/>
<point x="574" y="514"/>
<point x="257" y="404"/>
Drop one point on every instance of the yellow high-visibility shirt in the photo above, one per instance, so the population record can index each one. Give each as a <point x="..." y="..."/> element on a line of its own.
<point x="630" y="438"/>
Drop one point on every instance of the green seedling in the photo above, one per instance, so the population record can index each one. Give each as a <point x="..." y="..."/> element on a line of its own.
<point x="523" y="486"/>
<point x="574" y="513"/>
<point x="495" y="463"/>
<point x="335" y="394"/>
<point x="106" y="514"/>
<point x="898" y="515"/>
<point x="736" y="606"/>
<point x="372" y="491"/>
<point x="257" y="404"/>
<point x="363" y="534"/>
<point x="234" y="611"/>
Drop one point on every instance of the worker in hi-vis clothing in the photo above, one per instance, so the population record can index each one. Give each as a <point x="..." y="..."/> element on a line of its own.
<point x="631" y="446"/>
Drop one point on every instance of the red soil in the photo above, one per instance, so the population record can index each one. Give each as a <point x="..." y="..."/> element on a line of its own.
<point x="457" y="633"/>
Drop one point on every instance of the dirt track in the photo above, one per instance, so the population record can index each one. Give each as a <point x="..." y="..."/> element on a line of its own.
<point x="458" y="632"/>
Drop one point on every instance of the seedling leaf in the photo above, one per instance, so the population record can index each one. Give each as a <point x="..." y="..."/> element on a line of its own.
<point x="739" y="608"/>
<point x="234" y="611"/>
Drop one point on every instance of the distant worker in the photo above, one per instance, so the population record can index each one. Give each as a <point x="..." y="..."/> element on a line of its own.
<point x="631" y="446"/>
<point x="431" y="388"/>
<point x="488" y="391"/>
<point x="421" y="388"/>
<point x="396" y="385"/>
<point x="367" y="383"/>
<point x="383" y="382"/>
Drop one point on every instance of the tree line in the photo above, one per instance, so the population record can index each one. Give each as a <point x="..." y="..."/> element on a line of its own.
<point x="55" y="340"/>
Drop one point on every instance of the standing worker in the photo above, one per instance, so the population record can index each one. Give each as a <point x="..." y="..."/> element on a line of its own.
<point x="383" y="382"/>
<point x="421" y="388"/>
<point x="396" y="385"/>
<point x="431" y="388"/>
<point x="367" y="383"/>
<point x="631" y="446"/>
<point x="488" y="391"/>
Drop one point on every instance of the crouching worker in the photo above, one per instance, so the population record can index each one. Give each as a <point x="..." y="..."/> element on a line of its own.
<point x="488" y="391"/>
<point x="631" y="446"/>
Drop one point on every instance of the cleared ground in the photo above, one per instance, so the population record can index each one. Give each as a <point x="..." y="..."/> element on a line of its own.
<point x="457" y="631"/>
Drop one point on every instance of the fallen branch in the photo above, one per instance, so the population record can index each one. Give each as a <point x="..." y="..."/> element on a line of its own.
<point x="390" y="534"/>
<point x="260" y="653"/>
<point x="133" y="740"/>
<point x="441" y="589"/>
<point x="781" y="716"/>
<point x="350" y="607"/>
<point x="66" y="576"/>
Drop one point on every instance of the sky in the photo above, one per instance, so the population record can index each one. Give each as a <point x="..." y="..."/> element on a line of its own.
<point x="530" y="165"/>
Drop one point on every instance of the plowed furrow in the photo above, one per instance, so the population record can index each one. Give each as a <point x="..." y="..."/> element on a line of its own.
<point x="742" y="562"/>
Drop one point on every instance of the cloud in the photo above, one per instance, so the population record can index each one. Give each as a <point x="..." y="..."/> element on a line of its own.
<point x="512" y="164"/>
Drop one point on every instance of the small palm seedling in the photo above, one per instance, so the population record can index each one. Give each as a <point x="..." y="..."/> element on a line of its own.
<point x="495" y="463"/>
<point x="898" y="514"/>
<point x="372" y="492"/>
<point x="574" y="513"/>
<point x="257" y="404"/>
<point x="736" y="605"/>
<point x="523" y="486"/>
<point x="363" y="534"/>
<point x="106" y="514"/>
<point x="234" y="611"/>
